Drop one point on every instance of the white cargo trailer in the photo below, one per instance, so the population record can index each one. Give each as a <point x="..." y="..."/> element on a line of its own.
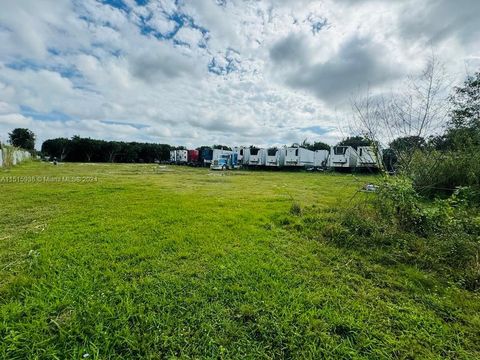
<point x="367" y="157"/>
<point x="182" y="156"/>
<point x="256" y="156"/>
<point x="240" y="151"/>
<point x="343" y="157"/>
<point x="321" y="158"/>
<point x="275" y="157"/>
<point x="299" y="157"/>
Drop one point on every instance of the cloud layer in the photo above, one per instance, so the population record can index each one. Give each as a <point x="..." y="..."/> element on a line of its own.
<point x="199" y="72"/>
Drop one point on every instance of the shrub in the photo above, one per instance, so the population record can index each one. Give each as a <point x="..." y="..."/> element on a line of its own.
<point x="441" y="173"/>
<point x="398" y="203"/>
<point x="399" y="226"/>
<point x="469" y="194"/>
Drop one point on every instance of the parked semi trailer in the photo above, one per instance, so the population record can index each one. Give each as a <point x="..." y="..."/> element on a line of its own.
<point x="275" y="157"/>
<point x="299" y="157"/>
<point x="320" y="159"/>
<point x="240" y="151"/>
<point x="343" y="157"/>
<point x="173" y="156"/>
<point x="205" y="156"/>
<point x="368" y="158"/>
<point x="193" y="157"/>
<point x="182" y="157"/>
<point x="256" y="156"/>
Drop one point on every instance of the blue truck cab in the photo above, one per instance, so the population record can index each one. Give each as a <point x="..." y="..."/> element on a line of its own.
<point x="225" y="161"/>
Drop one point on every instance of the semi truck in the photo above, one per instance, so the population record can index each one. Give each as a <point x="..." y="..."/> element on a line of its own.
<point x="225" y="161"/>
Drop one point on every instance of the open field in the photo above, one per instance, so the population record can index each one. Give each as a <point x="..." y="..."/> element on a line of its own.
<point x="173" y="262"/>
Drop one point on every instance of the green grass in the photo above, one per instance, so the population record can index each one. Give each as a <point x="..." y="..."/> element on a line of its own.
<point x="174" y="262"/>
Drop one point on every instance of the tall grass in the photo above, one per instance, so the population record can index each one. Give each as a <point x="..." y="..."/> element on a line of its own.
<point x="435" y="172"/>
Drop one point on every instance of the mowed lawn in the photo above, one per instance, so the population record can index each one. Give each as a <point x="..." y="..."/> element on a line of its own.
<point x="173" y="262"/>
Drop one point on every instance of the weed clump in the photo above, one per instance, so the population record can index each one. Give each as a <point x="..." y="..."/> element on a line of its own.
<point x="296" y="209"/>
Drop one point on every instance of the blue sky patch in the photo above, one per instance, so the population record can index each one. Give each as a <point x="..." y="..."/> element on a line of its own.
<point x="37" y="115"/>
<point x="136" y="126"/>
<point x="119" y="4"/>
<point x="65" y="71"/>
<point x="316" y="129"/>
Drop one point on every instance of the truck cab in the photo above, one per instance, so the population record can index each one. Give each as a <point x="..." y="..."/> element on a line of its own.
<point x="225" y="161"/>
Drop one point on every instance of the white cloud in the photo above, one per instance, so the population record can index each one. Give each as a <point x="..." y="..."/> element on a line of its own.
<point x="284" y="67"/>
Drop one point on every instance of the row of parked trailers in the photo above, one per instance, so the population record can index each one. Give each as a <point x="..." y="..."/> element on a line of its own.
<point x="344" y="157"/>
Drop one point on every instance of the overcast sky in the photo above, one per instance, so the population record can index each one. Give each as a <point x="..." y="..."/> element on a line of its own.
<point x="195" y="72"/>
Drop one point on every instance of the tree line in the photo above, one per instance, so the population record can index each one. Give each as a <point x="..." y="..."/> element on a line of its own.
<point x="78" y="149"/>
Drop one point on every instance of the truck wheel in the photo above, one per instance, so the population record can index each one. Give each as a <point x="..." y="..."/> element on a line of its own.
<point x="224" y="168"/>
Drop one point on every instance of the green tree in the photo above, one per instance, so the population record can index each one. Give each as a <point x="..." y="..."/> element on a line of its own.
<point x="317" y="145"/>
<point x="408" y="144"/>
<point x="222" y="147"/>
<point x="355" y="142"/>
<point x="464" y="124"/>
<point x="58" y="148"/>
<point x="466" y="103"/>
<point x="23" y="138"/>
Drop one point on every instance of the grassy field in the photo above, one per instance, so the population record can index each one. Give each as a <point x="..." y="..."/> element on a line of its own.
<point x="172" y="262"/>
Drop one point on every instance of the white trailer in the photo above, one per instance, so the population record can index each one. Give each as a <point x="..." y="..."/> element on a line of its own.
<point x="182" y="156"/>
<point x="299" y="157"/>
<point x="240" y="151"/>
<point x="256" y="156"/>
<point x="343" y="157"/>
<point x="367" y="157"/>
<point x="275" y="157"/>
<point x="321" y="158"/>
<point x="173" y="156"/>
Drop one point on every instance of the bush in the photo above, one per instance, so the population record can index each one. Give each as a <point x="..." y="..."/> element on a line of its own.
<point x="469" y="194"/>
<point x="399" y="226"/>
<point x="398" y="204"/>
<point x="441" y="173"/>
